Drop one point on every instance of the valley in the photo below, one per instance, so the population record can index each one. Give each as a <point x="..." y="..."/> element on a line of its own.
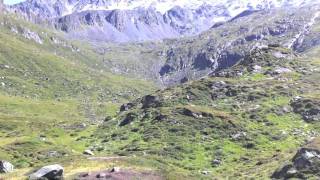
<point x="85" y="90"/>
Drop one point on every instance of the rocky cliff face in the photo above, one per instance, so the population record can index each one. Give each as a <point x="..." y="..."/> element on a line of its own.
<point x="140" y="20"/>
<point x="116" y="25"/>
<point x="232" y="31"/>
<point x="226" y="43"/>
<point x="177" y="61"/>
<point x="139" y="24"/>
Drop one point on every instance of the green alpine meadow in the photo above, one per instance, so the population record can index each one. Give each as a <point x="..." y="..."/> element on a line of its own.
<point x="157" y="90"/>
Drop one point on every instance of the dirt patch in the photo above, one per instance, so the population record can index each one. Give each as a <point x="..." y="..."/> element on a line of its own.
<point x="119" y="174"/>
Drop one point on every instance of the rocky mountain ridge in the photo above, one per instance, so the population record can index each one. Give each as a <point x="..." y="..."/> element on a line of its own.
<point x="140" y="20"/>
<point x="174" y="61"/>
<point x="225" y="44"/>
<point x="57" y="8"/>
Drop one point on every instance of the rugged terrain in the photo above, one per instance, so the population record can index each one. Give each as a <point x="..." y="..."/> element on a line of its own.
<point x="240" y="100"/>
<point x="246" y="117"/>
<point x="172" y="61"/>
<point x="140" y="20"/>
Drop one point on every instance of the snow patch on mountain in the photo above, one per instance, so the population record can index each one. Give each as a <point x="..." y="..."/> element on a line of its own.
<point x="234" y="6"/>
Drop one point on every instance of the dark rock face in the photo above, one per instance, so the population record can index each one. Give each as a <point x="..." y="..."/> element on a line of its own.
<point x="222" y="48"/>
<point x="121" y="25"/>
<point x="117" y="19"/>
<point x="305" y="164"/>
<point x="84" y="19"/>
<point x="309" y="109"/>
<point x="53" y="172"/>
<point x="6" y="167"/>
<point x="115" y="25"/>
<point x="202" y="62"/>
<point x="150" y="102"/>
<point x="128" y="119"/>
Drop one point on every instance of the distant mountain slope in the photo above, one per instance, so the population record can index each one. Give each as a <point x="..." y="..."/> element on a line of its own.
<point x="37" y="63"/>
<point x="226" y="43"/>
<point x="140" y="20"/>
<point x="56" y="8"/>
<point x="170" y="62"/>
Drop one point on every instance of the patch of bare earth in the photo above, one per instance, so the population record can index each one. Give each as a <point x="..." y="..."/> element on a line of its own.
<point x="119" y="174"/>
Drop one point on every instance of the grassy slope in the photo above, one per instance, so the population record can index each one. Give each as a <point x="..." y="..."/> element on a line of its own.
<point x="186" y="144"/>
<point x="39" y="115"/>
<point x="47" y="92"/>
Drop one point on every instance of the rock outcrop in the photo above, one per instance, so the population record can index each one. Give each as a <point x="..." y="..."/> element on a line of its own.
<point x="223" y="46"/>
<point x="53" y="172"/>
<point x="124" y="20"/>
<point x="309" y="109"/>
<point x="304" y="165"/>
<point x="6" y="167"/>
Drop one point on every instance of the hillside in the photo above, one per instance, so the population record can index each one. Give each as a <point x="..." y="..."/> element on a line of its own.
<point x="93" y="89"/>
<point x="243" y="122"/>
<point x="53" y="91"/>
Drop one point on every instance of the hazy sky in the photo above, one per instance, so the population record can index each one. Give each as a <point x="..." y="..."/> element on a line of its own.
<point x="12" y="1"/>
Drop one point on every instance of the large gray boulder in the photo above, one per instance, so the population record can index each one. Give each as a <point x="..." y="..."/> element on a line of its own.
<point x="6" y="167"/>
<point x="52" y="172"/>
<point x="304" y="165"/>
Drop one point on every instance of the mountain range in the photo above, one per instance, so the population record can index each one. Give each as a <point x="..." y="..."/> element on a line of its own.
<point x="159" y="89"/>
<point x="140" y="20"/>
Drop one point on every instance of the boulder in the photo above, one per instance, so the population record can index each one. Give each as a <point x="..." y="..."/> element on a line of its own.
<point x="188" y="112"/>
<point x="205" y="172"/>
<point x="88" y="152"/>
<point x="218" y="85"/>
<point x="130" y="117"/>
<point x="304" y="165"/>
<point x="150" y="102"/>
<point x="126" y="107"/>
<point x="216" y="162"/>
<point x="52" y="172"/>
<point x="102" y="175"/>
<point x="282" y="70"/>
<point x="6" y="167"/>
<point x="256" y="68"/>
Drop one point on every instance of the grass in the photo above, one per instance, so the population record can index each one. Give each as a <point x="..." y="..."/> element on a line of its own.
<point x="192" y="143"/>
<point x="51" y="114"/>
<point x="52" y="98"/>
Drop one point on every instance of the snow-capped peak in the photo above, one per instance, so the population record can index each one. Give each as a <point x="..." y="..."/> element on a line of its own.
<point x="234" y="6"/>
<point x="163" y="6"/>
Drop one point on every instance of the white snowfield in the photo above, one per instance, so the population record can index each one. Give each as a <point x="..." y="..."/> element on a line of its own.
<point x="234" y="6"/>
